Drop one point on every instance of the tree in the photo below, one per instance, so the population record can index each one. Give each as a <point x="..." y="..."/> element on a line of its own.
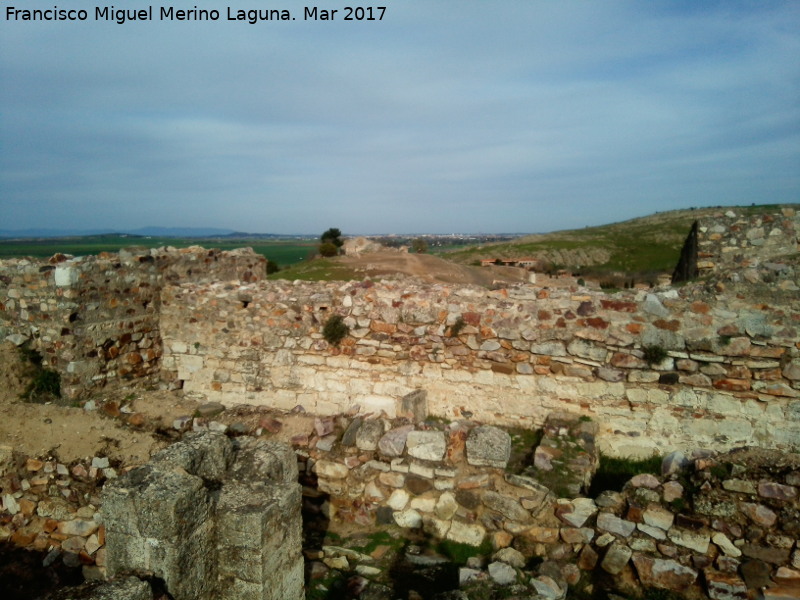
<point x="419" y="245"/>
<point x="328" y="249"/>
<point x="332" y="236"/>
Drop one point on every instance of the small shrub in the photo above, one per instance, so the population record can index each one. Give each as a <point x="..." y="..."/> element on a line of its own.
<point x="328" y="249"/>
<point x="335" y="330"/>
<point x="457" y="327"/>
<point x="654" y="354"/>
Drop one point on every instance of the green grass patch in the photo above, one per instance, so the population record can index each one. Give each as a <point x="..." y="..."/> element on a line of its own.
<point x="283" y="253"/>
<point x="523" y="444"/>
<point x="459" y="553"/>
<point x="321" y="269"/>
<point x="613" y="473"/>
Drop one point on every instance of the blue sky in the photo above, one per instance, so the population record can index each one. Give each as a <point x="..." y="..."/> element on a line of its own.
<point x="446" y="116"/>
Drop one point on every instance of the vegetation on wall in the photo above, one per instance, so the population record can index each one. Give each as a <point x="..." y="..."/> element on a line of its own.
<point x="335" y="330"/>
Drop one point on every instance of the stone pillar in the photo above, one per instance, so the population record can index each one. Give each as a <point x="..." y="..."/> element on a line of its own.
<point x="211" y="517"/>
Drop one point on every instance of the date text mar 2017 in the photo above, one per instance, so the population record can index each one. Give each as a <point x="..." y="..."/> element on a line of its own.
<point x="349" y="13"/>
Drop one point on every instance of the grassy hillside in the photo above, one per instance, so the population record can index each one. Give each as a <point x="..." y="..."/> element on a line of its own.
<point x="639" y="248"/>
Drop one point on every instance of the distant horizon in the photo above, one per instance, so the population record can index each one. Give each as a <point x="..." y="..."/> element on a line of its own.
<point x="210" y="232"/>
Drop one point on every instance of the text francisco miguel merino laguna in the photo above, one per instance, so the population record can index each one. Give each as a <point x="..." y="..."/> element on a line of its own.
<point x="170" y="13"/>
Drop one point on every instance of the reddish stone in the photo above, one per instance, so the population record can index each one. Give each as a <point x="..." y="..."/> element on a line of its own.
<point x="544" y="315"/>
<point x="671" y="325"/>
<point x="728" y="330"/>
<point x="133" y="358"/>
<point x="471" y="318"/>
<point x="382" y="327"/>
<point x="49" y="525"/>
<point x="635" y="513"/>
<point x="137" y="420"/>
<point x="626" y="361"/>
<point x="732" y="385"/>
<point x="111" y="408"/>
<point x="700" y="308"/>
<point x="597" y="323"/>
<point x="503" y="369"/>
<point x="634" y="328"/>
<point x="22" y="539"/>
<point x="619" y="306"/>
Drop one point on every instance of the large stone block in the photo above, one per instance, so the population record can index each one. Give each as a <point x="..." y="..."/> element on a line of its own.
<point x="489" y="447"/>
<point x="207" y="455"/>
<point x="426" y="445"/>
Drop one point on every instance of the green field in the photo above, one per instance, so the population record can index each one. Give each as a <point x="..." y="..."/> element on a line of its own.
<point x="284" y="253"/>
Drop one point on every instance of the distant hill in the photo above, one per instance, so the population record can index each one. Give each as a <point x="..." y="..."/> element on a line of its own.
<point x="638" y="249"/>
<point x="182" y="232"/>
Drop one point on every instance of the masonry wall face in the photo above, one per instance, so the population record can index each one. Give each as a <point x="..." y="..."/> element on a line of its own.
<point x="207" y="321"/>
<point x="731" y="375"/>
<point x="95" y="319"/>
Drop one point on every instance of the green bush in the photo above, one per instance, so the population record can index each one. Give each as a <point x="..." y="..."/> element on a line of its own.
<point x="335" y="330"/>
<point x="654" y="354"/>
<point x="456" y="328"/>
<point x="328" y="249"/>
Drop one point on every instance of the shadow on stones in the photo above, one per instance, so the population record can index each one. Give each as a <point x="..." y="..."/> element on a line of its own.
<point x="315" y="519"/>
<point x="417" y="574"/>
<point x="23" y="576"/>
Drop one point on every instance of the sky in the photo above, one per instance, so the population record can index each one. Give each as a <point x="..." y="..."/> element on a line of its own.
<point x="444" y="116"/>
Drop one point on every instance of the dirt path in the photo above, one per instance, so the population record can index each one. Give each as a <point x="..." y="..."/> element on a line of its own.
<point x="431" y="269"/>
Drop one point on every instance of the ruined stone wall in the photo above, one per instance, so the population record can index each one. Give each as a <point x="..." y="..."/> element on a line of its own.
<point x="731" y="242"/>
<point x="95" y="319"/>
<point x="730" y="375"/>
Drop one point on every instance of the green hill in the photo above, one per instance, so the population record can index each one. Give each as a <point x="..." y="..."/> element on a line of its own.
<point x="638" y="249"/>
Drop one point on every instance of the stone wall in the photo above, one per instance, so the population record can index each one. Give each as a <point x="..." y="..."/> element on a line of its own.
<point x="206" y="321"/>
<point x="96" y="319"/>
<point x="669" y="369"/>
<point x="734" y="243"/>
<point x="719" y="526"/>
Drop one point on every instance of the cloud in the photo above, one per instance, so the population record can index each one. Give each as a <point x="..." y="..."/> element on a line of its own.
<point x="446" y="116"/>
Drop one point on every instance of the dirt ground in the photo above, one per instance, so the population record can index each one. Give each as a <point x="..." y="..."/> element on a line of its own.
<point x="431" y="269"/>
<point x="126" y="426"/>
